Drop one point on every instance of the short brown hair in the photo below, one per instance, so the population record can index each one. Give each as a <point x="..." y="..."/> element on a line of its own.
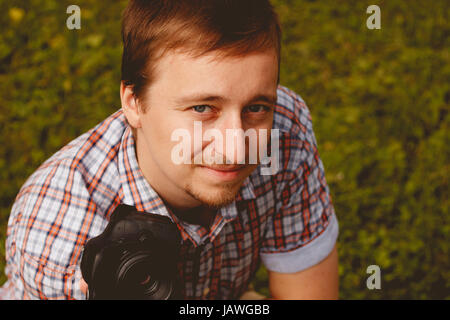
<point x="150" y="28"/>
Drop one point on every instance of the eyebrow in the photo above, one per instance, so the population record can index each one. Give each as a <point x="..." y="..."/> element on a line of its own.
<point x="197" y="98"/>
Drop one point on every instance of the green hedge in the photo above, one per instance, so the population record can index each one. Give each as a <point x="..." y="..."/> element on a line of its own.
<point x="379" y="101"/>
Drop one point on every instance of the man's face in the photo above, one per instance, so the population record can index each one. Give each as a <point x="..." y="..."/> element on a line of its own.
<point x="221" y="93"/>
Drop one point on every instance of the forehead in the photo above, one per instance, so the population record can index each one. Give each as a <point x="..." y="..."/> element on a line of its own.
<point x="179" y="73"/>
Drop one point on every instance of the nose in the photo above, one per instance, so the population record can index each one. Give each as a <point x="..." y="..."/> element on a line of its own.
<point x="234" y="139"/>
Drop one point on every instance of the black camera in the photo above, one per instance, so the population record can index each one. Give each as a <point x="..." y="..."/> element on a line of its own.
<point x="134" y="258"/>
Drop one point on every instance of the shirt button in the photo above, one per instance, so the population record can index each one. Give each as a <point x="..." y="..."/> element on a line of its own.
<point x="205" y="291"/>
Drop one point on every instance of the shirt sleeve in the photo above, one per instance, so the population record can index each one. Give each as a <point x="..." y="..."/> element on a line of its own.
<point x="304" y="228"/>
<point x="48" y="226"/>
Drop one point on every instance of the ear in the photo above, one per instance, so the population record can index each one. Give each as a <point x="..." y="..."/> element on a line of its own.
<point x="130" y="106"/>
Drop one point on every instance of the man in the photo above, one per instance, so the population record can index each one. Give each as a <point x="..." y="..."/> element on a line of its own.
<point x="185" y="62"/>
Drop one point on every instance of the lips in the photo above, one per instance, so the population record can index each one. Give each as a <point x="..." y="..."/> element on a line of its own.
<point x="224" y="168"/>
<point x="223" y="173"/>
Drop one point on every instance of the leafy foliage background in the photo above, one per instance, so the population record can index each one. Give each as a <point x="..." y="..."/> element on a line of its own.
<point x="379" y="101"/>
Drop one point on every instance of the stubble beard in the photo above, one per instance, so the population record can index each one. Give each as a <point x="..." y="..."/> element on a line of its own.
<point x="217" y="198"/>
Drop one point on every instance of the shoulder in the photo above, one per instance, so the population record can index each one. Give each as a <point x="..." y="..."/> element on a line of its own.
<point x="297" y="149"/>
<point x="80" y="177"/>
<point x="292" y="115"/>
<point x="84" y="154"/>
<point x="100" y="143"/>
<point x="297" y="139"/>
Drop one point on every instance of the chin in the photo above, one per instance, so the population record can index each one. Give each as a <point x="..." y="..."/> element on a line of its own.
<point x="214" y="197"/>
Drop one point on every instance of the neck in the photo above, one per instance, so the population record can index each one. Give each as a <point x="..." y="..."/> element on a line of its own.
<point x="200" y="215"/>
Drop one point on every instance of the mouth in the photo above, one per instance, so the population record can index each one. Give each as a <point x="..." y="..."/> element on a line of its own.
<point x="224" y="173"/>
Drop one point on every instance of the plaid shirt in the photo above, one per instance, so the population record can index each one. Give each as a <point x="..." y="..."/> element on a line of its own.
<point x="285" y="220"/>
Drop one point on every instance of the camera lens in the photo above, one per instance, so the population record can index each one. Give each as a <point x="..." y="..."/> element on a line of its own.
<point x="138" y="279"/>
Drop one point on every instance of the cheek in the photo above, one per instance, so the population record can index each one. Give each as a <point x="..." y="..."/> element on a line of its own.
<point x="158" y="128"/>
<point x="162" y="142"/>
<point x="264" y="130"/>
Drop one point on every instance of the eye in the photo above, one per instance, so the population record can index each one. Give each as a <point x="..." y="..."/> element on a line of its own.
<point x="201" y="108"/>
<point x="257" y="108"/>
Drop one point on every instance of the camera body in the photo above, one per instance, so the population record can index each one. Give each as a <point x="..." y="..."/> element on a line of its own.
<point x="134" y="258"/>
